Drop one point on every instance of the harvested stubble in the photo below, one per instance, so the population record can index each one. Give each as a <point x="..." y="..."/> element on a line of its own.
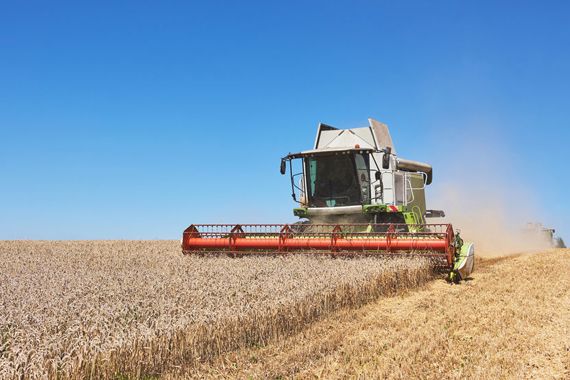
<point x="115" y="308"/>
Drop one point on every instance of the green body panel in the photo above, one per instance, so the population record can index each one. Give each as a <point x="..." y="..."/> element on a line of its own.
<point x="410" y="218"/>
<point x="461" y="256"/>
<point x="301" y="212"/>
<point x="382" y="214"/>
<point x="374" y="209"/>
<point x="414" y="225"/>
<point x="463" y="262"/>
<point x="418" y="204"/>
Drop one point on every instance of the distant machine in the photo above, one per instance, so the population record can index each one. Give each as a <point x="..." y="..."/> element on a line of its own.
<point x="545" y="234"/>
<point x="355" y="197"/>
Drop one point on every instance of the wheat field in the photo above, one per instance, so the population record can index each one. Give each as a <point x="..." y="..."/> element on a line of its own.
<point x="139" y="309"/>
<point x="510" y="321"/>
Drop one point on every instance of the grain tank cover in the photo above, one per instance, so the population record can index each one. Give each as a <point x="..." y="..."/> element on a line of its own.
<point x="376" y="136"/>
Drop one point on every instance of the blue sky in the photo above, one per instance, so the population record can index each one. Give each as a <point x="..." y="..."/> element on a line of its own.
<point x="134" y="119"/>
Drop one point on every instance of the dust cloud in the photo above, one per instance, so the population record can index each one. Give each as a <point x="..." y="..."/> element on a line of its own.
<point x="488" y="198"/>
<point x="494" y="224"/>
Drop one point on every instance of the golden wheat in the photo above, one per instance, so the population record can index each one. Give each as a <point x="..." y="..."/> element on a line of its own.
<point x="112" y="309"/>
<point x="510" y="321"/>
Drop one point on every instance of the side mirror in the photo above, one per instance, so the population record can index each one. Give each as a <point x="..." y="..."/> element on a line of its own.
<point x="378" y="175"/>
<point x="386" y="158"/>
<point x="283" y="168"/>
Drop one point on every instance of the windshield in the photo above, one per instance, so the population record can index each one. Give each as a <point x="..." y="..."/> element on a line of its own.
<point x="338" y="180"/>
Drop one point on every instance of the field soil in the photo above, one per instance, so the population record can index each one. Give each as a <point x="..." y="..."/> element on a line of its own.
<point x="510" y="321"/>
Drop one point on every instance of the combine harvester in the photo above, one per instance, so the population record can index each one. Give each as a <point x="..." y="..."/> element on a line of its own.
<point x="356" y="197"/>
<point x="538" y="232"/>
